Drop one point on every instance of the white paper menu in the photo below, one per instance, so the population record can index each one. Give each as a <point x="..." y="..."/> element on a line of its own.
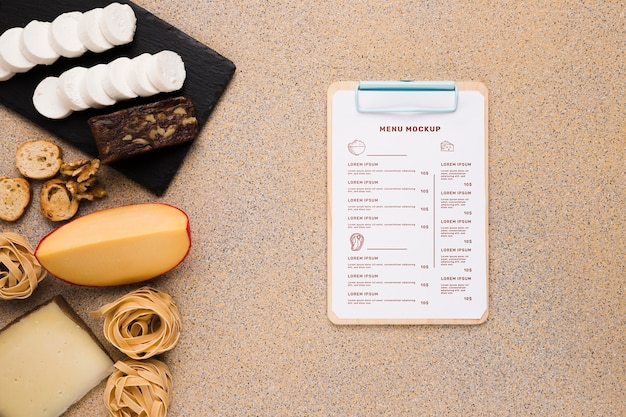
<point x="408" y="208"/>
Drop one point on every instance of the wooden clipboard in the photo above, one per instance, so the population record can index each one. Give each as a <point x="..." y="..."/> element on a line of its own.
<point x="407" y="176"/>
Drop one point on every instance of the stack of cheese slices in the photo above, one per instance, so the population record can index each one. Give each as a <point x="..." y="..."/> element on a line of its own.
<point x="72" y="34"/>
<point x="81" y="88"/>
<point x="69" y="35"/>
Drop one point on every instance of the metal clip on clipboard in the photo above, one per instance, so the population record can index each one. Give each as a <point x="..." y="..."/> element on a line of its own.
<point x="406" y="86"/>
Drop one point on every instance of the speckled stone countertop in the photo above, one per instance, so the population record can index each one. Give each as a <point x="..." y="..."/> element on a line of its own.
<point x="256" y="338"/>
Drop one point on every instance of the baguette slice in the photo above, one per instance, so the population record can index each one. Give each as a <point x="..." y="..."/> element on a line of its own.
<point x="57" y="202"/>
<point x="14" y="198"/>
<point x="38" y="159"/>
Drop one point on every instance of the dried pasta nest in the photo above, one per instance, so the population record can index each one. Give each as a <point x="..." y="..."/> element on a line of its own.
<point x="20" y="271"/>
<point x="139" y="388"/>
<point x="143" y="323"/>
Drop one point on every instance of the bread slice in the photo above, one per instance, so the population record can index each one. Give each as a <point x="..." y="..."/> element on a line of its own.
<point x="38" y="159"/>
<point x="57" y="202"/>
<point x="14" y="198"/>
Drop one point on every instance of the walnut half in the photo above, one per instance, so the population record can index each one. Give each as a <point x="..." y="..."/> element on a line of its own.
<point x="88" y="190"/>
<point x="81" y="170"/>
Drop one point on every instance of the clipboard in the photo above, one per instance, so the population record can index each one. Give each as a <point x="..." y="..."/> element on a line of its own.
<point x="407" y="203"/>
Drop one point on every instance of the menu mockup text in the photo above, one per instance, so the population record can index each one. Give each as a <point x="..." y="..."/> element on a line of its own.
<point x="408" y="237"/>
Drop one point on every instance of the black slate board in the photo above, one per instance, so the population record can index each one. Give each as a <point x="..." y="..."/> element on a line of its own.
<point x="208" y="75"/>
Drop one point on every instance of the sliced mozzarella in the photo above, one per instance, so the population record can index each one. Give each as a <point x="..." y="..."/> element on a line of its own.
<point x="47" y="102"/>
<point x="166" y="71"/>
<point x="118" y="23"/>
<point x="91" y="90"/>
<point x="89" y="32"/>
<point x="35" y="43"/>
<point x="64" y="35"/>
<point x="5" y="74"/>
<point x="138" y="79"/>
<point x="68" y="88"/>
<point x="115" y="82"/>
<point x="11" y="56"/>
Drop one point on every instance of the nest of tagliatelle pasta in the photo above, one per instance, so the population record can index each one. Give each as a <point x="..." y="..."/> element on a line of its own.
<point x="20" y="272"/>
<point x="142" y="324"/>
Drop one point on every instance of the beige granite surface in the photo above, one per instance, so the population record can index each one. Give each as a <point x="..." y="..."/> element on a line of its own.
<point x="256" y="338"/>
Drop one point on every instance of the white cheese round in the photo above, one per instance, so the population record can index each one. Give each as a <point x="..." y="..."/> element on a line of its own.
<point x="91" y="89"/>
<point x="68" y="88"/>
<point x="166" y="71"/>
<point x="118" y="23"/>
<point x="5" y="74"/>
<point x="89" y="33"/>
<point x="11" y="56"/>
<point x="137" y="76"/>
<point x="64" y="35"/>
<point x="115" y="82"/>
<point x="47" y="102"/>
<point x="35" y="43"/>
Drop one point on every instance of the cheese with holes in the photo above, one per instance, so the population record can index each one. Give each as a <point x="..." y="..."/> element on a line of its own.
<point x="49" y="359"/>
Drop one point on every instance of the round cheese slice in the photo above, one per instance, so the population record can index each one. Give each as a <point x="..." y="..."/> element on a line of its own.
<point x="118" y="23"/>
<point x="5" y="74"/>
<point x="89" y="32"/>
<point x="91" y="89"/>
<point x="35" y="43"/>
<point x="64" y="35"/>
<point x="68" y="88"/>
<point x="166" y="71"/>
<point x="115" y="82"/>
<point x="11" y="56"/>
<point x="137" y="77"/>
<point x="47" y="102"/>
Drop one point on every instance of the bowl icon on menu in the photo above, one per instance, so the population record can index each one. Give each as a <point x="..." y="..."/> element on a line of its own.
<point x="356" y="147"/>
